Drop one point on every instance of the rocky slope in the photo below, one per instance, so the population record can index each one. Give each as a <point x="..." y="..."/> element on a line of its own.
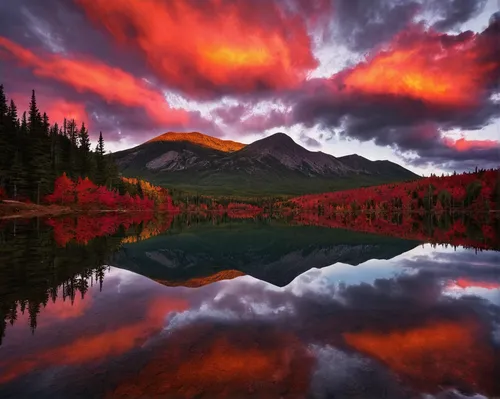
<point x="275" y="164"/>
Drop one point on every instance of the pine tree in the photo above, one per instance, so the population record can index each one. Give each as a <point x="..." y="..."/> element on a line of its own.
<point x="72" y="134"/>
<point x="45" y="124"/>
<point x="13" y="119"/>
<point x="85" y="155"/>
<point x="34" y="117"/>
<point x="38" y="151"/>
<point x="24" y="125"/>
<point x="14" y="156"/>
<point x="102" y="170"/>
<point x="4" y="138"/>
<point x="3" y="103"/>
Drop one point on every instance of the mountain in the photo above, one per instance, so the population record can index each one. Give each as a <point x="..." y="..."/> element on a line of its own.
<point x="273" y="252"/>
<point x="200" y="139"/>
<point x="381" y="168"/>
<point x="273" y="165"/>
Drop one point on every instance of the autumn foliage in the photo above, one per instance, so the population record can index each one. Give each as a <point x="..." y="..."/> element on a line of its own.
<point x="478" y="191"/>
<point x="84" y="194"/>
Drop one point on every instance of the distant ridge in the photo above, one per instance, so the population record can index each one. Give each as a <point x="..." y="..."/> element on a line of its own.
<point x="200" y="139"/>
<point x="274" y="165"/>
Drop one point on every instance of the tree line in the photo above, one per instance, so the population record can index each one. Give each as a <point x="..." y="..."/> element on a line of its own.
<point x="34" y="152"/>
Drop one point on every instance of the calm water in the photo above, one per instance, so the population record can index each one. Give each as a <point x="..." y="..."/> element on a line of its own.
<point x="242" y="309"/>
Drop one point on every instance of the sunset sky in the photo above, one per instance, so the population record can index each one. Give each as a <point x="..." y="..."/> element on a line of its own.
<point x="416" y="82"/>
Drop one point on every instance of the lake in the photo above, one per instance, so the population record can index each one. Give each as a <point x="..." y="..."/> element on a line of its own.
<point x="123" y="306"/>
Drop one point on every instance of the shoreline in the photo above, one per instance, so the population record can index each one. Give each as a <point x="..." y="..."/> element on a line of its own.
<point x="10" y="209"/>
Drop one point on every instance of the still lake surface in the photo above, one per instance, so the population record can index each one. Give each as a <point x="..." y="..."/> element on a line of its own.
<point x="242" y="309"/>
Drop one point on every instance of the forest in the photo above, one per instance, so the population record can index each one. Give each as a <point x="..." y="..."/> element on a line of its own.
<point x="42" y="162"/>
<point x="472" y="192"/>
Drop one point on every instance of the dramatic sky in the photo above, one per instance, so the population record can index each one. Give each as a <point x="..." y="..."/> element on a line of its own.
<point x="413" y="81"/>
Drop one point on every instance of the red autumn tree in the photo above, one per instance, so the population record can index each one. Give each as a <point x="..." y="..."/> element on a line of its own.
<point x="64" y="191"/>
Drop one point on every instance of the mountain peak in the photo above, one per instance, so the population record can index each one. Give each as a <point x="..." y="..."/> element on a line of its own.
<point x="279" y="138"/>
<point x="201" y="140"/>
<point x="275" y="142"/>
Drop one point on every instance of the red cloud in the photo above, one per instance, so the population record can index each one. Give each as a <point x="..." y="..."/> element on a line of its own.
<point x="88" y="75"/>
<point x="433" y="355"/>
<point x="218" y="45"/>
<point x="466" y="283"/>
<point x="462" y="144"/>
<point x="223" y="363"/>
<point x="427" y="66"/>
<point x="98" y="346"/>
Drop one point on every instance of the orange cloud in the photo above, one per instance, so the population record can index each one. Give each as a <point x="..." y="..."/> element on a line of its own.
<point x="433" y="355"/>
<point x="465" y="145"/>
<point x="99" y="346"/>
<point x="88" y="75"/>
<point x="427" y="66"/>
<point x="224" y="364"/>
<point x="235" y="45"/>
<point x="466" y="283"/>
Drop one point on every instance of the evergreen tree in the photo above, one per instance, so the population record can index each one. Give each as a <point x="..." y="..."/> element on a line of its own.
<point x="4" y="138"/>
<point x="24" y="125"/>
<point x="13" y="119"/>
<point x="73" y="148"/>
<point x="34" y="117"/>
<point x="38" y="151"/>
<point x="45" y="124"/>
<point x="85" y="154"/>
<point x="101" y="164"/>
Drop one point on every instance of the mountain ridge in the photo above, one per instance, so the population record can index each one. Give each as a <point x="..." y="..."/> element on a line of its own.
<point x="200" y="139"/>
<point x="273" y="165"/>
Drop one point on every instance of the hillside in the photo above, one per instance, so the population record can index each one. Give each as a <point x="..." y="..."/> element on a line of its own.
<point x="200" y="139"/>
<point x="274" y="165"/>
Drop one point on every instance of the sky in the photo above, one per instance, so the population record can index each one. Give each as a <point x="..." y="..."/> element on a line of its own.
<point x="416" y="82"/>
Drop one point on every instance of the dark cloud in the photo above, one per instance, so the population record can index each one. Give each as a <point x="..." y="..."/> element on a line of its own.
<point x="362" y="25"/>
<point x="453" y="13"/>
<point x="365" y="104"/>
<point x="89" y="32"/>
<point x="60" y="26"/>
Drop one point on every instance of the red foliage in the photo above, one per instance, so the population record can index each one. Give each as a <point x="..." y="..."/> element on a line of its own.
<point x="86" y="195"/>
<point x="3" y="194"/>
<point x="432" y="193"/>
<point x="409" y="226"/>
<point x="64" y="191"/>
<point x="84" y="228"/>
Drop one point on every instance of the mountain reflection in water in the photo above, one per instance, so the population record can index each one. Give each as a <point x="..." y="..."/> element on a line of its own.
<point x="257" y="309"/>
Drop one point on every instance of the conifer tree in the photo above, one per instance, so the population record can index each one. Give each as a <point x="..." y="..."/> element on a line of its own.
<point x="85" y="155"/>
<point x="73" y="149"/>
<point x="13" y="119"/>
<point x="101" y="172"/>
<point x="4" y="138"/>
<point x="38" y="151"/>
<point x="24" y="125"/>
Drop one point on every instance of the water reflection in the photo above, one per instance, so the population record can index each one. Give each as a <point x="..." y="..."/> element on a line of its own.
<point x="386" y="318"/>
